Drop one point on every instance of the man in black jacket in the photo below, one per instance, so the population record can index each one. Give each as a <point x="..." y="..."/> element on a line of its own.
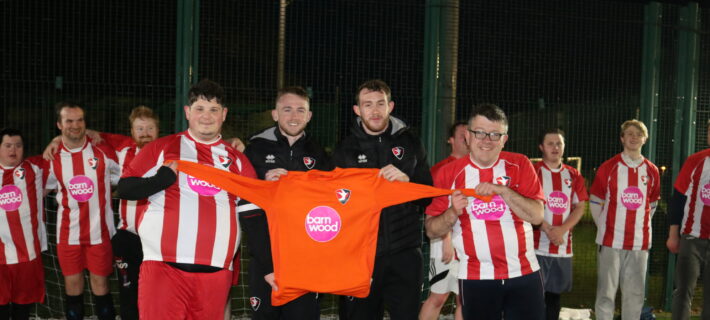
<point x="378" y="140"/>
<point x="273" y="152"/>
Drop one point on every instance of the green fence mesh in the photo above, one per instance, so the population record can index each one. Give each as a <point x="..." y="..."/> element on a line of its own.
<point x="576" y="65"/>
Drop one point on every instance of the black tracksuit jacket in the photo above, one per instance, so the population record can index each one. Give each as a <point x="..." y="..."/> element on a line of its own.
<point x="400" y="225"/>
<point x="269" y="149"/>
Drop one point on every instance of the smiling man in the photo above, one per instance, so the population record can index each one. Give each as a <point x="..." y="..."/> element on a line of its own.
<point x="83" y="174"/>
<point x="189" y="228"/>
<point x="622" y="201"/>
<point x="126" y="244"/>
<point x="381" y="141"/>
<point x="274" y="152"/>
<point x="498" y="273"/>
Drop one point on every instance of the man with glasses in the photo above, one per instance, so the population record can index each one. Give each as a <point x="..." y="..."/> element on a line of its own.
<point x="498" y="273"/>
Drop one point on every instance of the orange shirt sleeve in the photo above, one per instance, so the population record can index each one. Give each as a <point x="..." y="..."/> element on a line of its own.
<point x="391" y="193"/>
<point x="259" y="192"/>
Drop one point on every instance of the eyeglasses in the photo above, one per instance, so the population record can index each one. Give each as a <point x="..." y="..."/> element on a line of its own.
<point x="481" y="135"/>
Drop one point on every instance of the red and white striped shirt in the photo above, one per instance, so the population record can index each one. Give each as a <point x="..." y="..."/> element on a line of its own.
<point x="22" y="232"/>
<point x="627" y="191"/>
<point x="490" y="240"/>
<point x="83" y="179"/>
<point x="191" y="221"/>
<point x="564" y="188"/>
<point x="694" y="182"/>
<point x="126" y="149"/>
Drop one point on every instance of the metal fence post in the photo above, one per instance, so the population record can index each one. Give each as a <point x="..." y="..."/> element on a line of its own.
<point x="686" y="104"/>
<point x="650" y="74"/>
<point x="440" y="71"/>
<point x="186" y="59"/>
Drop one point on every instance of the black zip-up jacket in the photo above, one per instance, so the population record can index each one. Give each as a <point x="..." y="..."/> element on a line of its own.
<point x="269" y="149"/>
<point x="400" y="225"/>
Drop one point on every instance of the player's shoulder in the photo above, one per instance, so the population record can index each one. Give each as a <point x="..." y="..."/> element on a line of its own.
<point x="651" y="166"/>
<point x="453" y="167"/>
<point x="102" y="150"/>
<point x="513" y="157"/>
<point x="611" y="162"/>
<point x="699" y="156"/>
<point x="163" y="142"/>
<point x="572" y="170"/>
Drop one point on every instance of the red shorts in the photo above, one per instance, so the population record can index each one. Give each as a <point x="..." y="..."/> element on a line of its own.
<point x="98" y="258"/>
<point x="22" y="283"/>
<point x="165" y="292"/>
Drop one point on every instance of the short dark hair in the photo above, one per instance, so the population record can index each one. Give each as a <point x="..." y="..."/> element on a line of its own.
<point x="66" y="104"/>
<point x="490" y="111"/>
<point x="376" y="85"/>
<point x="452" y="130"/>
<point x="11" y="132"/>
<point x="547" y="131"/>
<point x="295" y="90"/>
<point x="206" y="89"/>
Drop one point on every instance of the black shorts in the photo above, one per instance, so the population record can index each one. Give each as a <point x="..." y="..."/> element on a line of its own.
<point x="556" y="273"/>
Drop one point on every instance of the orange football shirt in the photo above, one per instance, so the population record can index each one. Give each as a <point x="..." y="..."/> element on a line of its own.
<point x="323" y="224"/>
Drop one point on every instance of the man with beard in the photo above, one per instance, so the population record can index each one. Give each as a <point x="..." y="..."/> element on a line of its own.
<point x="274" y="152"/>
<point x="379" y="140"/>
<point x="83" y="174"/>
<point x="126" y="243"/>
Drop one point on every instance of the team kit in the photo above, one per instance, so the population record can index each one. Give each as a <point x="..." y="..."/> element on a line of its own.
<point x="347" y="223"/>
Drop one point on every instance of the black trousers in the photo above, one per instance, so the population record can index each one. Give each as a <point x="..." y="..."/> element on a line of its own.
<point x="305" y="307"/>
<point x="511" y="299"/>
<point x="396" y="286"/>
<point x="128" y="256"/>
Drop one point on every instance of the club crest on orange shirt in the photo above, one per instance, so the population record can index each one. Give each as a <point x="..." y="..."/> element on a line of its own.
<point x="343" y="195"/>
<point x="398" y="152"/>
<point x="309" y="162"/>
